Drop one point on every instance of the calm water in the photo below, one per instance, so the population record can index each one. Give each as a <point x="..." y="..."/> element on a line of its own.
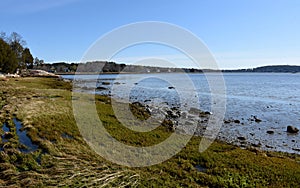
<point x="272" y="97"/>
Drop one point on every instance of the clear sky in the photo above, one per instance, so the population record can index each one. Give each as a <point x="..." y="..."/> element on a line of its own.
<point x="239" y="33"/>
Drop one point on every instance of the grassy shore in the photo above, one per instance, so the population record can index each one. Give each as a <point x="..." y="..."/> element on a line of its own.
<point x="44" y="106"/>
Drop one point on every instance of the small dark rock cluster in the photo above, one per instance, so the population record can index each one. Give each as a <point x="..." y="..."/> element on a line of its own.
<point x="254" y="118"/>
<point x="171" y="117"/>
<point x="227" y="121"/>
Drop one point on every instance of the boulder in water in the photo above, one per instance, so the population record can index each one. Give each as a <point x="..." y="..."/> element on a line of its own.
<point x="257" y="120"/>
<point x="226" y="121"/>
<point x="237" y="121"/>
<point x="101" y="88"/>
<point x="292" y="129"/>
<point x="241" y="138"/>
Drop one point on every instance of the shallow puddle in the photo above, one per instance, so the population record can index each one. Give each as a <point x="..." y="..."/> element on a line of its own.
<point x="5" y="128"/>
<point x="200" y="168"/>
<point x="24" y="139"/>
<point x="65" y="135"/>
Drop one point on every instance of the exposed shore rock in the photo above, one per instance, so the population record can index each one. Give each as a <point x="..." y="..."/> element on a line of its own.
<point x="12" y="76"/>
<point x="184" y="120"/>
<point x="241" y="138"/>
<point x="237" y="121"/>
<point x="39" y="73"/>
<point x="257" y="120"/>
<point x="292" y="129"/>
<point x="254" y="118"/>
<point x="101" y="88"/>
<point x="3" y="78"/>
<point x="105" y="83"/>
<point x="227" y="121"/>
<point x="195" y="111"/>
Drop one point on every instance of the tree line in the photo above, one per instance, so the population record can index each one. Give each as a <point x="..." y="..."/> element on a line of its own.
<point x="270" y="68"/>
<point x="14" y="54"/>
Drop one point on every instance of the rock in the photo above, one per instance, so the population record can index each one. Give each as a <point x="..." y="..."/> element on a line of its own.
<point x="270" y="132"/>
<point x="237" y="121"/>
<point x="241" y="138"/>
<point x="171" y="87"/>
<point x="12" y="76"/>
<point x="208" y="113"/>
<point x="254" y="149"/>
<point x="101" y="88"/>
<point x="3" y="78"/>
<point x="172" y="114"/>
<point x="257" y="120"/>
<point x="296" y="149"/>
<point x="105" y="83"/>
<point x="254" y="118"/>
<point x="148" y="109"/>
<point x="292" y="129"/>
<point x="226" y="121"/>
<point x="257" y="145"/>
<point x="168" y="123"/>
<point x="137" y="104"/>
<point x="195" y="111"/>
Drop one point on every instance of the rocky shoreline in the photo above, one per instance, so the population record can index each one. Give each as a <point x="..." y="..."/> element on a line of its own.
<point x="174" y="116"/>
<point x="246" y="132"/>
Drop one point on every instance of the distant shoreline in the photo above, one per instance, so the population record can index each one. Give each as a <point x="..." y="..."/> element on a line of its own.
<point x="96" y="73"/>
<point x="115" y="68"/>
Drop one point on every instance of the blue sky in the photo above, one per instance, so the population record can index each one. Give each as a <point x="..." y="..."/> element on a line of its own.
<point x="240" y="34"/>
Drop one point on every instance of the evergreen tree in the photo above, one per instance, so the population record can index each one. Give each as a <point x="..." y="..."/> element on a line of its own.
<point x="17" y="56"/>
<point x="27" y="59"/>
<point x="8" y="60"/>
